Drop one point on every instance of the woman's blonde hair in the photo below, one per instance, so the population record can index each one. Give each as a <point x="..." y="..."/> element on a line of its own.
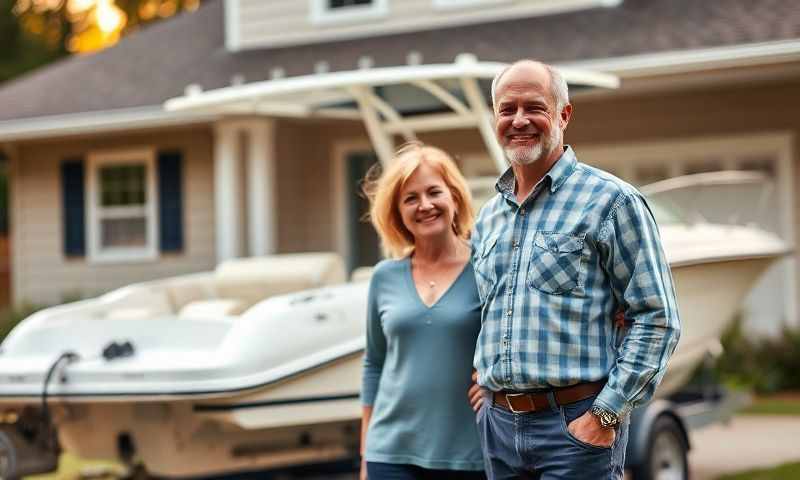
<point x="383" y="189"/>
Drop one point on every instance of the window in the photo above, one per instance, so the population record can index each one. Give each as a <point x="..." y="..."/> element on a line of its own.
<point x="122" y="206"/>
<point x="346" y="3"/>
<point x="343" y="11"/>
<point x="449" y="4"/>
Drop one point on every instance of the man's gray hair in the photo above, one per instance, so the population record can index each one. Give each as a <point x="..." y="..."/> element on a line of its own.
<point x="558" y="86"/>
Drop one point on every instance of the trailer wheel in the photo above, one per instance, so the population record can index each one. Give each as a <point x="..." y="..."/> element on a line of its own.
<point x="666" y="457"/>
<point x="8" y="458"/>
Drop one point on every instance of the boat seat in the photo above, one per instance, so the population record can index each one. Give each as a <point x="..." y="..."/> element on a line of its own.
<point x="137" y="302"/>
<point x="361" y="274"/>
<point x="184" y="290"/>
<point x="129" y="313"/>
<point x="212" y="309"/>
<point x="251" y="280"/>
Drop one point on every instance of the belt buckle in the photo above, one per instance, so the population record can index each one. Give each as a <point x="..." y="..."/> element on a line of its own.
<point x="510" y="405"/>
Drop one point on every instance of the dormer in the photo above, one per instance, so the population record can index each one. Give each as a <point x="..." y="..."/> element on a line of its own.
<point x="260" y="24"/>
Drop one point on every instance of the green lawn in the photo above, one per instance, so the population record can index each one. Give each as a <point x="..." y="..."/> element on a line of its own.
<point x="70" y="467"/>
<point x="778" y="405"/>
<point x="788" y="471"/>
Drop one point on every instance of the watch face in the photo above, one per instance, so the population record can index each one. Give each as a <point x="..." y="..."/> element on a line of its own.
<point x="607" y="419"/>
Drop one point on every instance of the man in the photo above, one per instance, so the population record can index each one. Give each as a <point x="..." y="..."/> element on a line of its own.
<point x="557" y="253"/>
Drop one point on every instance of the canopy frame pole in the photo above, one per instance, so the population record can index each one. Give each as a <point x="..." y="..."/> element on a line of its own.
<point x="381" y="140"/>
<point x="391" y="115"/>
<point x="484" y="117"/>
<point x="446" y="97"/>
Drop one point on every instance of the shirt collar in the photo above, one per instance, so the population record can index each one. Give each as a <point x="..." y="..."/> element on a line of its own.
<point x="558" y="174"/>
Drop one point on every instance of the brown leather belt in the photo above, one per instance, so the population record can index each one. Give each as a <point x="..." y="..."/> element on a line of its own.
<point x="524" y="402"/>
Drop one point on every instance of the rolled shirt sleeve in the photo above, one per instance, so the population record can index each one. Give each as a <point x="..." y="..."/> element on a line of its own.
<point x="640" y="277"/>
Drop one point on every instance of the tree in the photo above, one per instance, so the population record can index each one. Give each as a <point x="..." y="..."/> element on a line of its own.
<point x="19" y="51"/>
<point x="35" y="32"/>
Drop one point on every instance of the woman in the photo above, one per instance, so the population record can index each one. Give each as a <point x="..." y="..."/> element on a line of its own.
<point x="422" y="324"/>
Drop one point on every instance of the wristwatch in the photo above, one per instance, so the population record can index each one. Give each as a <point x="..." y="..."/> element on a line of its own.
<point x="608" y="419"/>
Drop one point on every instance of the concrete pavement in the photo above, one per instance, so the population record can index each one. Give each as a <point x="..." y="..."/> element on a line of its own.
<point x="746" y="442"/>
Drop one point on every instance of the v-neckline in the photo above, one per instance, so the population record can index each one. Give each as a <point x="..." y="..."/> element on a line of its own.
<point x="413" y="286"/>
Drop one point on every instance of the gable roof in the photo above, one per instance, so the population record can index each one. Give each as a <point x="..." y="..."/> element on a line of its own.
<point x="158" y="62"/>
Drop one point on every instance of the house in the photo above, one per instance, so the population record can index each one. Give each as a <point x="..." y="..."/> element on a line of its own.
<point x="109" y="187"/>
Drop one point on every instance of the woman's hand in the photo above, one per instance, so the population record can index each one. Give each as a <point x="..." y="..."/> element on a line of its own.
<point x="366" y="416"/>
<point x="474" y="394"/>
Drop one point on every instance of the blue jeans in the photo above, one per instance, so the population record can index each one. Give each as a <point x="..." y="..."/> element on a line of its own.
<point x="399" y="471"/>
<point x="537" y="445"/>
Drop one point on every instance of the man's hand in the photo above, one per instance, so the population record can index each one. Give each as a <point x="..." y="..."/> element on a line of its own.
<point x="474" y="393"/>
<point x="587" y="429"/>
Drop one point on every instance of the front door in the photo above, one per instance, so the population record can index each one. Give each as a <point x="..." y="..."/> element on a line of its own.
<point x="364" y="244"/>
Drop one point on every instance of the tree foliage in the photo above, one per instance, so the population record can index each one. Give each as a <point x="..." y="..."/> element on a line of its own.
<point x="36" y="32"/>
<point x="20" y="51"/>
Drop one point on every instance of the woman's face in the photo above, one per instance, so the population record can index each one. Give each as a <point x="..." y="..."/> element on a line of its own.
<point x="426" y="204"/>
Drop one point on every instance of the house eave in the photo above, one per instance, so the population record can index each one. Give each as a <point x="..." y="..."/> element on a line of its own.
<point x="687" y="61"/>
<point x="105" y="121"/>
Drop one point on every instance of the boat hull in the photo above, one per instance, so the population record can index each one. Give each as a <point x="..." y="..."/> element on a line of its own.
<point x="312" y="417"/>
<point x="709" y="299"/>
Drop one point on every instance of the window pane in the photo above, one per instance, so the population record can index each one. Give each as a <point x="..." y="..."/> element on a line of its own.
<point x="122" y="185"/>
<point x="346" y="3"/>
<point x="123" y="232"/>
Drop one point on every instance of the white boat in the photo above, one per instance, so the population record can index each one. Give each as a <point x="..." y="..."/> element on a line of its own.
<point x="257" y="364"/>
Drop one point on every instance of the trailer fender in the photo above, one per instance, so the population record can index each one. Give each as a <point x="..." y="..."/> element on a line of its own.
<point x="641" y="427"/>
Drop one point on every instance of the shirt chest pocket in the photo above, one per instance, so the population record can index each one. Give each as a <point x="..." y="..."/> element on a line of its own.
<point x="557" y="262"/>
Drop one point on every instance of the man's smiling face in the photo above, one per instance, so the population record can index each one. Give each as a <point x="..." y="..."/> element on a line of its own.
<point x="527" y="123"/>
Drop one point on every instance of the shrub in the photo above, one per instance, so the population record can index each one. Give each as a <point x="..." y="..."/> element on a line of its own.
<point x="766" y="364"/>
<point x="10" y="317"/>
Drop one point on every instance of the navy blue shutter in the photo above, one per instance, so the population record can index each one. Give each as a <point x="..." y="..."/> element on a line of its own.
<point x="73" y="205"/>
<point x="170" y="201"/>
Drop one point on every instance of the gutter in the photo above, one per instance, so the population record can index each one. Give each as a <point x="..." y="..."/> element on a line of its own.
<point x="100" y="121"/>
<point x="685" y="61"/>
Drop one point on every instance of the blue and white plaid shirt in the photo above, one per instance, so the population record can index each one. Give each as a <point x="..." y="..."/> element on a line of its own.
<point x="553" y="271"/>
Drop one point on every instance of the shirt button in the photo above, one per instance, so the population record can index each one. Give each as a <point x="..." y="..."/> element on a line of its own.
<point x="508" y="313"/>
<point x="516" y="245"/>
<point x="522" y="211"/>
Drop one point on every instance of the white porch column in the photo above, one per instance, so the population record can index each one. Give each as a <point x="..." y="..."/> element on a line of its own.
<point x="227" y="205"/>
<point x="261" y="188"/>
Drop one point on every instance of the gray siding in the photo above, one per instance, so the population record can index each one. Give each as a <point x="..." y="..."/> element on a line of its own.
<point x="259" y="24"/>
<point x="42" y="274"/>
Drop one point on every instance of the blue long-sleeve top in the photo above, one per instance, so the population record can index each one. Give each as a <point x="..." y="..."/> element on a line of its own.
<point x="417" y="370"/>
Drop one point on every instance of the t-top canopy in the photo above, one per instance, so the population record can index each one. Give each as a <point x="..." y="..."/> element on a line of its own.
<point x="391" y="101"/>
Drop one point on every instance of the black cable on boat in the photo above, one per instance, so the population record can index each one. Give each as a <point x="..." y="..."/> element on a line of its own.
<point x="69" y="357"/>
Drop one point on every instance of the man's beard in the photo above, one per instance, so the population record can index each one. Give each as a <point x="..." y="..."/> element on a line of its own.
<point x="527" y="155"/>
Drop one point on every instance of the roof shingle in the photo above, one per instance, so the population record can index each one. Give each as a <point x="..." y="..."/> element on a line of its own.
<point x="157" y="63"/>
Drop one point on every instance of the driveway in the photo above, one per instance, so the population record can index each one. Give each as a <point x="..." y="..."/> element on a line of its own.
<point x="746" y="442"/>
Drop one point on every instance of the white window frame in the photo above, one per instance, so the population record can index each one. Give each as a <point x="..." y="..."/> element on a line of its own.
<point x="321" y="14"/>
<point x="454" y="4"/>
<point x="96" y="160"/>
